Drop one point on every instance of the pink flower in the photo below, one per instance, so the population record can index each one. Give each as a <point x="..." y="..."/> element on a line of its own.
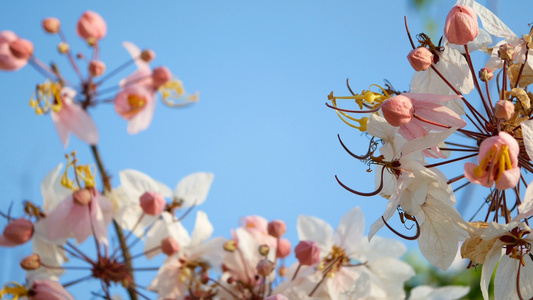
<point x="461" y="25"/>
<point x="51" y="25"/>
<point x="136" y="103"/>
<point x="17" y="232"/>
<point x="48" y="290"/>
<point x="71" y="218"/>
<point x="160" y="76"/>
<point x="277" y="228"/>
<point x="284" y="248"/>
<point x="498" y="163"/>
<point x="416" y="113"/>
<point x="91" y="26"/>
<point x="14" y="51"/>
<point x="70" y="117"/>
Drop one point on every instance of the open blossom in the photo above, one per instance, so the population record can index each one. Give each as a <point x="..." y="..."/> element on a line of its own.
<point x="497" y="163"/>
<point x="69" y="117"/>
<point x="416" y="113"/>
<point x="14" y="51"/>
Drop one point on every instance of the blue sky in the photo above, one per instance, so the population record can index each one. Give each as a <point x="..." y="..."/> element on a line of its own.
<point x="263" y="70"/>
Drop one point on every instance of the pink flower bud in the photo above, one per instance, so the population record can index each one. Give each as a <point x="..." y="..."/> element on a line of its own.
<point x="504" y="110"/>
<point x="31" y="262"/>
<point x="17" y="232"/>
<point x="160" y="76"/>
<point x="277" y="297"/>
<point x="420" y="58"/>
<point x="461" y="25"/>
<point x="14" y="51"/>
<point x="277" y="228"/>
<point x="485" y="74"/>
<point x="96" y="68"/>
<point x="265" y="267"/>
<point x="170" y="246"/>
<point x="21" y="48"/>
<point x="152" y="203"/>
<point x="284" y="248"/>
<point x="51" y="25"/>
<point x="506" y="51"/>
<point x="46" y="289"/>
<point x="307" y="253"/>
<point x="91" y="26"/>
<point x="397" y="110"/>
<point x="82" y="197"/>
<point x="147" y="55"/>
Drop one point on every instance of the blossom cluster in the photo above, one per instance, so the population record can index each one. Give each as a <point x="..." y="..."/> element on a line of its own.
<point x="252" y="263"/>
<point x="435" y="124"/>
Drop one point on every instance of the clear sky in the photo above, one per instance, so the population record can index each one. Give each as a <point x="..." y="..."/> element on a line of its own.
<point x="263" y="70"/>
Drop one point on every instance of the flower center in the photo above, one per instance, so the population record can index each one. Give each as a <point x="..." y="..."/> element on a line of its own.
<point x="496" y="161"/>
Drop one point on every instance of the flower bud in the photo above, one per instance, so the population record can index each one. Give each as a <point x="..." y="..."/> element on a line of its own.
<point x="461" y="25"/>
<point x="17" y="232"/>
<point x="21" y="48"/>
<point x="420" y="58"/>
<point x="91" y="26"/>
<point x="63" y="47"/>
<point x="152" y="203"/>
<point x="265" y="267"/>
<point x="277" y="228"/>
<point x="506" y="52"/>
<point x="264" y="249"/>
<point x="397" y="110"/>
<point x="160" y="76"/>
<point x="96" y="68"/>
<point x="230" y="246"/>
<point x="82" y="197"/>
<point x="169" y="246"/>
<point x="47" y="289"/>
<point x="504" y="110"/>
<point x="51" y="25"/>
<point x="31" y="262"/>
<point x="307" y="253"/>
<point x="284" y="248"/>
<point x="485" y="74"/>
<point x="277" y="297"/>
<point x="282" y="271"/>
<point x="147" y="55"/>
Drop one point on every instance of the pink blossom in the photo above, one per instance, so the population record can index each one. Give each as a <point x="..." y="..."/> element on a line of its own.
<point x="160" y="76"/>
<point x="461" y="25"/>
<point x="71" y="219"/>
<point x="17" y="232"/>
<point x="91" y="26"/>
<point x="170" y="246"/>
<point x="46" y="289"/>
<point x="96" y="68"/>
<point x="498" y="163"/>
<point x="70" y="117"/>
<point x="136" y="103"/>
<point x="14" y="51"/>
<point x="416" y="113"/>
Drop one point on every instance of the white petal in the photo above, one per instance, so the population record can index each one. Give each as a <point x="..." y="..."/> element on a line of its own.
<point x="135" y="53"/>
<point x="349" y="233"/>
<point x="52" y="190"/>
<point x="488" y="267"/>
<point x="193" y="189"/>
<point x="202" y="229"/>
<point x="315" y="229"/>
<point x="137" y="183"/>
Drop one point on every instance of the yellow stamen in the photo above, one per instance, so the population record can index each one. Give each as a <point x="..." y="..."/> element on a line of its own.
<point x="47" y="96"/>
<point x="81" y="172"/>
<point x="174" y="95"/>
<point x="496" y="161"/>
<point x="14" y="290"/>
